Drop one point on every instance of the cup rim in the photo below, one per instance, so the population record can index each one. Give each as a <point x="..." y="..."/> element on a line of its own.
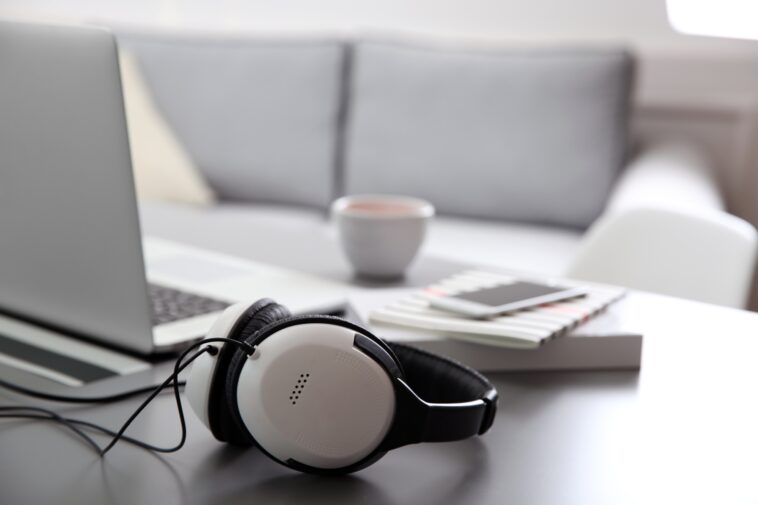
<point x="417" y="207"/>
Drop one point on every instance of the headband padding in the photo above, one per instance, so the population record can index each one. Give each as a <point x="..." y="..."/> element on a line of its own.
<point x="270" y="314"/>
<point x="444" y="400"/>
<point x="436" y="379"/>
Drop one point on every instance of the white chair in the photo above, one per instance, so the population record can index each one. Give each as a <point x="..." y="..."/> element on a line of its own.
<point x="665" y="231"/>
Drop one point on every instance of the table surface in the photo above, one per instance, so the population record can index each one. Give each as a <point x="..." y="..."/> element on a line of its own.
<point x="682" y="430"/>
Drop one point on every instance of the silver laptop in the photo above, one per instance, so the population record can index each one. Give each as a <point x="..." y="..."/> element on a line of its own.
<point x="71" y="253"/>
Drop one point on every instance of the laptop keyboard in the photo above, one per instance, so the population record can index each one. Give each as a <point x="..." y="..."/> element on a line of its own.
<point x="172" y="304"/>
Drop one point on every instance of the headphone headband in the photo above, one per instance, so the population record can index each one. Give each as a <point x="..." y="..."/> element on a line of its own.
<point x="439" y="400"/>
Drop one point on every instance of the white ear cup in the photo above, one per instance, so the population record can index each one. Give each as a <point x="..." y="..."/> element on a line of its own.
<point x="309" y="395"/>
<point x="202" y="369"/>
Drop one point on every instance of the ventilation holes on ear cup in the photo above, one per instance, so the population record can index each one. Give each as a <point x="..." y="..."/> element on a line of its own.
<point x="299" y="388"/>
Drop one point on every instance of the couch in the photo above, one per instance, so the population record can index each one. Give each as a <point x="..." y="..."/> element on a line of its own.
<point x="525" y="152"/>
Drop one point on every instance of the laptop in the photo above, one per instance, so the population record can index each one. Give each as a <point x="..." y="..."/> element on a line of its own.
<point x="72" y="257"/>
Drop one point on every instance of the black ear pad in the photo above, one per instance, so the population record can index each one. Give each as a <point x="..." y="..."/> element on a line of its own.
<point x="255" y="338"/>
<point x="220" y="417"/>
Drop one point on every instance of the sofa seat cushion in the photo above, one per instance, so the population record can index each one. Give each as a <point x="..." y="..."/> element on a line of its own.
<point x="545" y="250"/>
<point x="259" y="117"/>
<point x="277" y="235"/>
<point x="531" y="135"/>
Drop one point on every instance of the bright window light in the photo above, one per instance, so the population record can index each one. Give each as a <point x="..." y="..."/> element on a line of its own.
<point x="716" y="18"/>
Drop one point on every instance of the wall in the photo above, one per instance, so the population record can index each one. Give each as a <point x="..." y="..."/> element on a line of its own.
<point x="703" y="66"/>
<point x="642" y="22"/>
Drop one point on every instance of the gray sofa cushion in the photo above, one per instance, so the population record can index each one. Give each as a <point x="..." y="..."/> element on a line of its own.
<point x="259" y="117"/>
<point x="530" y="135"/>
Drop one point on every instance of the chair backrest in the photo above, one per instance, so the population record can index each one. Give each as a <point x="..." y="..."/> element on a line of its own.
<point x="711" y="258"/>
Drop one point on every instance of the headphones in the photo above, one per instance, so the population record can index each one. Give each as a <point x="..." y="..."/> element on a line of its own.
<point x="320" y="394"/>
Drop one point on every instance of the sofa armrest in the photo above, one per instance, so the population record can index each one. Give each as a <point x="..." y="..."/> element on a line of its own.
<point x="687" y="247"/>
<point x="665" y="170"/>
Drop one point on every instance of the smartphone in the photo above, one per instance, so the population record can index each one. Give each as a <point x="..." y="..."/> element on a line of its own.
<point x="504" y="298"/>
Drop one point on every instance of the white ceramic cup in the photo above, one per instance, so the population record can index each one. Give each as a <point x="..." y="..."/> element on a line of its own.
<point x="381" y="234"/>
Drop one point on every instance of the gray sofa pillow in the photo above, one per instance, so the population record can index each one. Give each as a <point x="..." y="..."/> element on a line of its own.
<point x="528" y="135"/>
<point x="258" y="116"/>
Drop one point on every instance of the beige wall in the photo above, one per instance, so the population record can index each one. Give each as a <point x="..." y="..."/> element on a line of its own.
<point x="641" y="22"/>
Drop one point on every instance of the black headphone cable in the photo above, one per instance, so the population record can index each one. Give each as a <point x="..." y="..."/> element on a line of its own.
<point x="76" y="425"/>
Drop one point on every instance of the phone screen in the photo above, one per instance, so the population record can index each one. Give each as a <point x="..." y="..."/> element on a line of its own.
<point x="508" y="293"/>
